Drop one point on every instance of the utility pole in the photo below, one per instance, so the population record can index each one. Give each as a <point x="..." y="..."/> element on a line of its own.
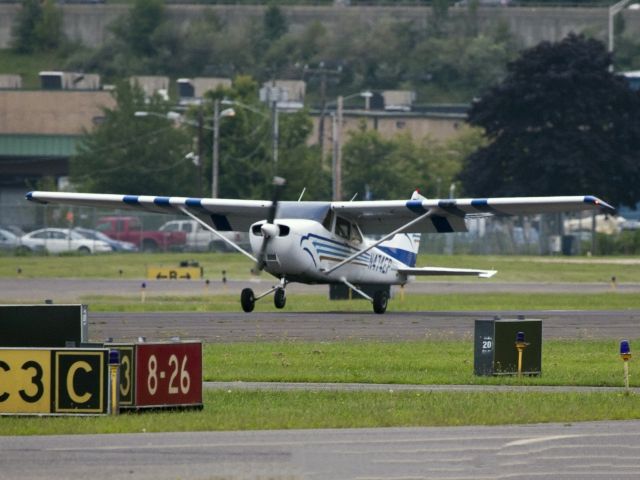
<point x="337" y="151"/>
<point x="200" y="148"/>
<point x="215" y="155"/>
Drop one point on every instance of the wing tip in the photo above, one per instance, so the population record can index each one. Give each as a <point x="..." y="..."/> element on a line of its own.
<point x="602" y="205"/>
<point x="30" y="196"/>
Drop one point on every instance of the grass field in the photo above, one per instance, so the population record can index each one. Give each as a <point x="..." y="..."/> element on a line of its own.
<point x="510" y="268"/>
<point x="411" y="303"/>
<point x="239" y="410"/>
<point x="585" y="363"/>
<point x="593" y="363"/>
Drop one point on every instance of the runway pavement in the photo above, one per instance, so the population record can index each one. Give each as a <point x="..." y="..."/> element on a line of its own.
<point x="325" y="326"/>
<point x="598" y="450"/>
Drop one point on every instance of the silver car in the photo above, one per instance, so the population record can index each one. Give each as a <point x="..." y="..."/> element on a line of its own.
<point x="59" y="240"/>
<point x="8" y="240"/>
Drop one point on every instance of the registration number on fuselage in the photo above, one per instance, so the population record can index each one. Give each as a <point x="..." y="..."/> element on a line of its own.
<point x="379" y="263"/>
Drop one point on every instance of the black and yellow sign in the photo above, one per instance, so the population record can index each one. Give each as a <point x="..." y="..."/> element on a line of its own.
<point x="127" y="373"/>
<point x="60" y="381"/>
<point x="174" y="273"/>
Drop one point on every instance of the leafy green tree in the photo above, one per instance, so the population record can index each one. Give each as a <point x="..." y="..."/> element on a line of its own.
<point x="379" y="168"/>
<point x="38" y="27"/>
<point x="559" y="124"/>
<point x="275" y="23"/>
<point x="126" y="154"/>
<point x="245" y="148"/>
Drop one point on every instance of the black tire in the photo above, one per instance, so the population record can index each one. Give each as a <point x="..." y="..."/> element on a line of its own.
<point x="247" y="300"/>
<point x="280" y="298"/>
<point x="84" y="250"/>
<point x="380" y="301"/>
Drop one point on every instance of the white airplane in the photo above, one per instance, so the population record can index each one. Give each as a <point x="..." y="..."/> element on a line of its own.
<point x="326" y="242"/>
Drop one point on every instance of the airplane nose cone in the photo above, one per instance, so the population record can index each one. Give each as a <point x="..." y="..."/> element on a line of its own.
<point x="270" y="230"/>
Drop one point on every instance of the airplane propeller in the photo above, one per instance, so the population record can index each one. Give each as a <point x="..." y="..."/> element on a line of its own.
<point x="269" y="228"/>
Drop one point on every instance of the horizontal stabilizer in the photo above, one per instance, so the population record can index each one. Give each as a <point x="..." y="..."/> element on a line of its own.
<point x="447" y="271"/>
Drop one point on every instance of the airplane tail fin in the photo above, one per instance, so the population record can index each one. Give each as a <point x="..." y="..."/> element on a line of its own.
<point x="404" y="246"/>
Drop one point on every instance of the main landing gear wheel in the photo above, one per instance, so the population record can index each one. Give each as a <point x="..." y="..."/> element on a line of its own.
<point x="380" y="301"/>
<point x="279" y="298"/>
<point x="247" y="300"/>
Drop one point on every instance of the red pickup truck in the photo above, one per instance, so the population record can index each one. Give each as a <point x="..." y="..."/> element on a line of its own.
<point x="130" y="229"/>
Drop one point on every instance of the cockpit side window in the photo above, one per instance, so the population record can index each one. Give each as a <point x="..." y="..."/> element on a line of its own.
<point x="328" y="220"/>
<point x="343" y="228"/>
<point x="356" y="237"/>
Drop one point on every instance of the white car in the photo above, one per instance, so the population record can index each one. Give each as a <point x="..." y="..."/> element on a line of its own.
<point x="200" y="239"/>
<point x="58" y="240"/>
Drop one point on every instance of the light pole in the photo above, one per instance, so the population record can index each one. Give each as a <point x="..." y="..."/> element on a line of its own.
<point x="613" y="10"/>
<point x="275" y="133"/>
<point x="336" y="163"/>
<point x="215" y="145"/>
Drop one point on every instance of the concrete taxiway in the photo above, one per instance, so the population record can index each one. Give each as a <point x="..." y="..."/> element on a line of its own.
<point x="597" y="450"/>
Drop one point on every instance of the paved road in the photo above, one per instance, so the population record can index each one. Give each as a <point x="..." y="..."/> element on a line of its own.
<point x="72" y="290"/>
<point x="323" y="326"/>
<point x="598" y="450"/>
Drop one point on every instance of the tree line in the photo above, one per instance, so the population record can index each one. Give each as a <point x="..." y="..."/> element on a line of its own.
<point x="551" y="119"/>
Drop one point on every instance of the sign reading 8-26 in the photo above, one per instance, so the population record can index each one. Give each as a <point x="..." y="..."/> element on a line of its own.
<point x="53" y="381"/>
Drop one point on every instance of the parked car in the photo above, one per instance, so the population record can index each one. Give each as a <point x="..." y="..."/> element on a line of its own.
<point x="130" y="229"/>
<point x="8" y="240"/>
<point x="199" y="239"/>
<point x="58" y="240"/>
<point x="116" y="245"/>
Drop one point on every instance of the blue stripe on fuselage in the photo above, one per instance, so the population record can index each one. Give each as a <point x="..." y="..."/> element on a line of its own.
<point x="404" y="256"/>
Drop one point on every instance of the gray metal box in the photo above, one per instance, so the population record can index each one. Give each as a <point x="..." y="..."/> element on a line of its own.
<point x="495" y="352"/>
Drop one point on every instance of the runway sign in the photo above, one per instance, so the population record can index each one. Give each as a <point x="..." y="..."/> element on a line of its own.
<point x="46" y="326"/>
<point x="65" y="381"/>
<point x="159" y="375"/>
<point x="174" y="273"/>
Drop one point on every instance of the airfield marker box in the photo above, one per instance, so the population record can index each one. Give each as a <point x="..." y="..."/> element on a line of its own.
<point x="494" y="347"/>
<point x="46" y="326"/>
<point x="160" y="375"/>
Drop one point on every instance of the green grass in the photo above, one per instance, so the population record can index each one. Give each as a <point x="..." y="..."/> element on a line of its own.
<point x="241" y="410"/>
<point x="412" y="303"/>
<point x="585" y="363"/>
<point x="510" y="268"/>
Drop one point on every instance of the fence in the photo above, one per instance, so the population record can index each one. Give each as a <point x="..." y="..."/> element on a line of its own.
<point x="537" y="235"/>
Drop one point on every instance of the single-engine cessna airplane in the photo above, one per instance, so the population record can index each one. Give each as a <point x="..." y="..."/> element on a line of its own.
<point x="327" y="242"/>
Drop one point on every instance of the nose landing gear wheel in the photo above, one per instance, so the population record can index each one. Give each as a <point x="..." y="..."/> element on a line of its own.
<point x="380" y="301"/>
<point x="279" y="298"/>
<point x="247" y="300"/>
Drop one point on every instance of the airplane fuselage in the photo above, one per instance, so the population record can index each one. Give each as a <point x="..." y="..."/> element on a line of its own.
<point x="304" y="250"/>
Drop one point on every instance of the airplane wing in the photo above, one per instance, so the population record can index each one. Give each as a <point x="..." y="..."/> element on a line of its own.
<point x="221" y="214"/>
<point x="380" y="217"/>
<point x="438" y="271"/>
<point x="373" y="217"/>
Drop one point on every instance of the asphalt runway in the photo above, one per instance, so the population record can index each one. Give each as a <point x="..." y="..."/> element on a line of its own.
<point x="399" y="326"/>
<point x="594" y="450"/>
<point x="289" y="324"/>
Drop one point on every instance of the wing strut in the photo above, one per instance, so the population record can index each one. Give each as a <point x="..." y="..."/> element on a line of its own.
<point x="378" y="242"/>
<point x="218" y="234"/>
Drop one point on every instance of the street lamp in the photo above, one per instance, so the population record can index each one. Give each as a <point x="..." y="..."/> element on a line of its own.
<point x="217" y="115"/>
<point x="275" y="133"/>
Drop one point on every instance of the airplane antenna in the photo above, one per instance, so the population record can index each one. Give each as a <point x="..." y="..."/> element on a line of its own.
<point x="302" y="194"/>
<point x="354" y="197"/>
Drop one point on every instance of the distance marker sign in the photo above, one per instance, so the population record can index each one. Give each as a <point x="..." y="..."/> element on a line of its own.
<point x="168" y="374"/>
